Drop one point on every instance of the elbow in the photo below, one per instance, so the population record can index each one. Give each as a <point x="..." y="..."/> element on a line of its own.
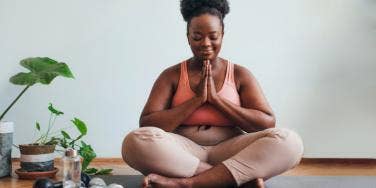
<point x="270" y="122"/>
<point x="147" y="121"/>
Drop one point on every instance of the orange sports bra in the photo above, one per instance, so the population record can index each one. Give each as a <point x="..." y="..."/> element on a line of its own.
<point x="206" y="114"/>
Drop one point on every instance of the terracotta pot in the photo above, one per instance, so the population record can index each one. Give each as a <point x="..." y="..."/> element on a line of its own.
<point x="6" y="142"/>
<point x="37" y="158"/>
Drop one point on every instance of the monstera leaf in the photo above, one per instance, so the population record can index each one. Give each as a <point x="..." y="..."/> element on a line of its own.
<point x="42" y="70"/>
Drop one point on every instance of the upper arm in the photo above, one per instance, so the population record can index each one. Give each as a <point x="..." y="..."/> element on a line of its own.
<point x="251" y="95"/>
<point x="161" y="94"/>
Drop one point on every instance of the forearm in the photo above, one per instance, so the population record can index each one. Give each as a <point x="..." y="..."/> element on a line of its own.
<point x="170" y="119"/>
<point x="250" y="120"/>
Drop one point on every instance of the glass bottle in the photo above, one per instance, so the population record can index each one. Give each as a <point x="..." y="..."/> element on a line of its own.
<point x="72" y="169"/>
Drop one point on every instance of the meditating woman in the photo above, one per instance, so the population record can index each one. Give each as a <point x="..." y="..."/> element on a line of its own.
<point x="206" y="122"/>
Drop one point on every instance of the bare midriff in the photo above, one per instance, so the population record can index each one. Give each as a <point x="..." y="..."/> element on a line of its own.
<point x="208" y="135"/>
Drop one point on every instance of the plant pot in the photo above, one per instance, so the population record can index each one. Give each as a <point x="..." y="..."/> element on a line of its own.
<point x="37" y="158"/>
<point x="6" y="142"/>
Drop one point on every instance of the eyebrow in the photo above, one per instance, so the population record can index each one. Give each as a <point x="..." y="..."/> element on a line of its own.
<point x="211" y="32"/>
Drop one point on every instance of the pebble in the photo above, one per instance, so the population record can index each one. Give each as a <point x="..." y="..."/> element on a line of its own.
<point x="98" y="182"/>
<point x="114" y="185"/>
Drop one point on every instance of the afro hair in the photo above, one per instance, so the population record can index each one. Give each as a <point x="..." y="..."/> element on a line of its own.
<point x="192" y="8"/>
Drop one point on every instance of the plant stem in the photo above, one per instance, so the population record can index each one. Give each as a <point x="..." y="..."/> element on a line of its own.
<point x="15" y="100"/>
<point x="48" y="129"/>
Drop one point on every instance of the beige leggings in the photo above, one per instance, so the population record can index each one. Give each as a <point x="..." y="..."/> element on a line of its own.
<point x="262" y="154"/>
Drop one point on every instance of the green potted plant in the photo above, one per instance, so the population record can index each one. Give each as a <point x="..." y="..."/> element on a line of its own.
<point x="37" y="158"/>
<point x="42" y="70"/>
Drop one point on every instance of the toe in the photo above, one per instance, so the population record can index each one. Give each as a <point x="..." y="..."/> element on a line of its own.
<point x="145" y="182"/>
<point x="260" y="183"/>
<point x="153" y="178"/>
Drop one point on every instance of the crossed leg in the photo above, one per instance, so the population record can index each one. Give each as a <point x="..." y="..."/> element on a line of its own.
<point x="179" y="162"/>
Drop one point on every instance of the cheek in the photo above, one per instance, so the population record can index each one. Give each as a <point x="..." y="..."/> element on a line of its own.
<point x="195" y="46"/>
<point x="217" y="45"/>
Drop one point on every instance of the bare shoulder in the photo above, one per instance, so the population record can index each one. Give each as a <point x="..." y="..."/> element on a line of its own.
<point x="162" y="91"/>
<point x="242" y="76"/>
<point x="170" y="74"/>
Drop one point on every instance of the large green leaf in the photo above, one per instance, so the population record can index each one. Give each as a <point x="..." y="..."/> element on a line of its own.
<point x="43" y="70"/>
<point x="81" y="126"/>
<point x="47" y="65"/>
<point x="24" y="78"/>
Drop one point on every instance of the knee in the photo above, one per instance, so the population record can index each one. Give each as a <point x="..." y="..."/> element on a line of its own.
<point x="290" y="141"/>
<point x="139" y="140"/>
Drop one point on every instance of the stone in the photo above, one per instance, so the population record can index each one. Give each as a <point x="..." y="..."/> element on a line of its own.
<point x="97" y="181"/>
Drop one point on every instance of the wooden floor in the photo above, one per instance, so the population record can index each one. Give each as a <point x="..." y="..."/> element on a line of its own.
<point x="307" y="167"/>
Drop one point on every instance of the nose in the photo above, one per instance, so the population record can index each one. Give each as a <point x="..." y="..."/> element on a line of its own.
<point x="206" y="42"/>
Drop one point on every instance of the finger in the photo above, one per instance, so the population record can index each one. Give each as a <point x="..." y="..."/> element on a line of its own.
<point x="203" y="72"/>
<point x="210" y="70"/>
<point x="207" y="70"/>
<point x="207" y="62"/>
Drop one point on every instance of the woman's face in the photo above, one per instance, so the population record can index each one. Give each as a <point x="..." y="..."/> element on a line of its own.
<point x="205" y="36"/>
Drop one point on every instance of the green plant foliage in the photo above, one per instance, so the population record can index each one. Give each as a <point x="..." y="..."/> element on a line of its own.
<point x="94" y="171"/>
<point x="65" y="140"/>
<point x="42" y="70"/>
<point x="54" y="110"/>
<point x="37" y="125"/>
<point x="53" y="141"/>
<point x="91" y="171"/>
<point x="87" y="153"/>
<point x="103" y="171"/>
<point x="65" y="135"/>
<point x="80" y="126"/>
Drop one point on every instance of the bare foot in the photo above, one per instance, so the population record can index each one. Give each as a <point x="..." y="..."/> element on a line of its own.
<point x="155" y="181"/>
<point x="256" y="183"/>
<point x="260" y="183"/>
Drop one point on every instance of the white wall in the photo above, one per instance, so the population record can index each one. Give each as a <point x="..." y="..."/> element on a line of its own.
<point x="315" y="60"/>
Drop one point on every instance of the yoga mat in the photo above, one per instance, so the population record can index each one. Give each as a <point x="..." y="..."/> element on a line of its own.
<point x="134" y="181"/>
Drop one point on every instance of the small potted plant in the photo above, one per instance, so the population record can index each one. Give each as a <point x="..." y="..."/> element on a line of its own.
<point x="37" y="158"/>
<point x="42" y="70"/>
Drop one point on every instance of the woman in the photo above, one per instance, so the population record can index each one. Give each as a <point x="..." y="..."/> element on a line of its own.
<point x="206" y="122"/>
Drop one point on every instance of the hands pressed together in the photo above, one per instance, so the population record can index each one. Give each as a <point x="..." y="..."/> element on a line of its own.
<point x="207" y="91"/>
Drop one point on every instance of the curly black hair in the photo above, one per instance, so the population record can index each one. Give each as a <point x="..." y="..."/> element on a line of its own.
<point x="193" y="8"/>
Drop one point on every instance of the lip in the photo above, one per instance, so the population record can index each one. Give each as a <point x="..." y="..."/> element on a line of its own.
<point x="206" y="51"/>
